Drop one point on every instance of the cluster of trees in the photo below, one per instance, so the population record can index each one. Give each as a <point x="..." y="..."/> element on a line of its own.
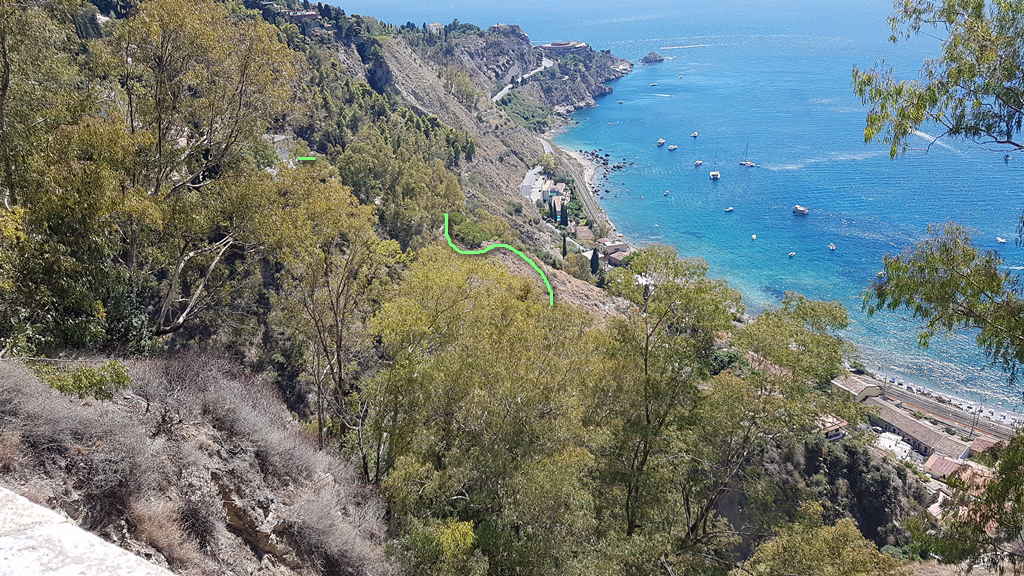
<point x="513" y="438"/>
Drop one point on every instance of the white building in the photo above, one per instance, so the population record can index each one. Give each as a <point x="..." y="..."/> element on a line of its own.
<point x="894" y="443"/>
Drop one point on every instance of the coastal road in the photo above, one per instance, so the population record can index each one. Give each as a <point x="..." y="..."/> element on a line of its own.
<point x="501" y="94"/>
<point x="545" y="63"/>
<point x="528" y="180"/>
<point x="949" y="413"/>
<point x="544" y="143"/>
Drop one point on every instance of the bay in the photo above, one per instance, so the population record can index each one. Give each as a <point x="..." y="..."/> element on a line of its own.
<point x="771" y="82"/>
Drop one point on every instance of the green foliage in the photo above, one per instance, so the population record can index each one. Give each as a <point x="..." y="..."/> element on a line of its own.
<point x="86" y="381"/>
<point x="547" y="162"/>
<point x="484" y="227"/>
<point x="972" y="90"/>
<point x="810" y="547"/>
<point x="532" y="116"/>
<point x="472" y="423"/>
<point x="577" y="266"/>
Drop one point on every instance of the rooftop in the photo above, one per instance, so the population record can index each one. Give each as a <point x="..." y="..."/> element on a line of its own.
<point x="941" y="466"/>
<point x="936" y="440"/>
<point x="854" y="383"/>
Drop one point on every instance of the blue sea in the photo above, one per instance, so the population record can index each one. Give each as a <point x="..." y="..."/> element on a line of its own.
<point x="770" y="81"/>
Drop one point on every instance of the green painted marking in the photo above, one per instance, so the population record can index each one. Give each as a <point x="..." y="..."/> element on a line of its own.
<point x="551" y="292"/>
<point x="306" y="158"/>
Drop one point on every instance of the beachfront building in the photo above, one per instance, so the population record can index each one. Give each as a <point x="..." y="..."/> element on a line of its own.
<point x="923" y="437"/>
<point x="894" y="444"/>
<point x="860" y="387"/>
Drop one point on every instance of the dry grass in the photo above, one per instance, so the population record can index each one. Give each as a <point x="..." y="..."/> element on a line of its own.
<point x="150" y="464"/>
<point x="10" y="452"/>
<point x="157" y="524"/>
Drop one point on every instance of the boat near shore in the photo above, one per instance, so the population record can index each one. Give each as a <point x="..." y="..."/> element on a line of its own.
<point x="1000" y="240"/>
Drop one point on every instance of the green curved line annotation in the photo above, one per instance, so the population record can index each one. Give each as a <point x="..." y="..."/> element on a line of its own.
<point x="551" y="292"/>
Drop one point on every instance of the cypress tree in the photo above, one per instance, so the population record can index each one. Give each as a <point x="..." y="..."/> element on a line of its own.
<point x="595" y="261"/>
<point x="565" y="249"/>
<point x="565" y="215"/>
<point x="551" y="210"/>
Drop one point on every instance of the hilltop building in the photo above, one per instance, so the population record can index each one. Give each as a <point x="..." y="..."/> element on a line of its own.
<point x="570" y="47"/>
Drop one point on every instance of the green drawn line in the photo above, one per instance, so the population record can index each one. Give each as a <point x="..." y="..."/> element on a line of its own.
<point x="551" y="292"/>
<point x="306" y="158"/>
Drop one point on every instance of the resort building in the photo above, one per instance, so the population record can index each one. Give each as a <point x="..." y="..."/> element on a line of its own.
<point x="570" y="47"/>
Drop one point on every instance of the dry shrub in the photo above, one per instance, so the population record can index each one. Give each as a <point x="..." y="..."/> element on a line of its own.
<point x="330" y="542"/>
<point x="10" y="452"/>
<point x="157" y="524"/>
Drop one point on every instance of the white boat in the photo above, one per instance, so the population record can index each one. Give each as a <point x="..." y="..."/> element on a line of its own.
<point x="799" y="210"/>
<point x="715" y="175"/>
<point x="791" y="254"/>
<point x="661" y="141"/>
<point x="698" y="162"/>
<point x="666" y="194"/>
<point x="673" y="147"/>
<point x="694" y="135"/>
<point x="620" y="101"/>
<point x="729" y="209"/>
<point x="654" y="83"/>
<point x="1000" y="240"/>
<point x="831" y="246"/>
<point x="746" y="162"/>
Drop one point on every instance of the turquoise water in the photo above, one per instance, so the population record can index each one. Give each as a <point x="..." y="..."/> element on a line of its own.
<point x="771" y="81"/>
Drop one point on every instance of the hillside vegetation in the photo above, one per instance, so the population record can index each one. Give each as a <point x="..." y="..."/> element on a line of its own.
<point x="441" y="417"/>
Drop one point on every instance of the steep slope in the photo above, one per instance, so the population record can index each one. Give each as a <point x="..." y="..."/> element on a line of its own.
<point x="195" y="467"/>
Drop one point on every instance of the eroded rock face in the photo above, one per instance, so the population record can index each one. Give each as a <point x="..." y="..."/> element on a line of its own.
<point x="256" y="516"/>
<point x="653" y="58"/>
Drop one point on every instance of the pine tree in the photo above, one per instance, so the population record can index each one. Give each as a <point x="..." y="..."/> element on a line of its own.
<point x="565" y="248"/>
<point x="595" y="261"/>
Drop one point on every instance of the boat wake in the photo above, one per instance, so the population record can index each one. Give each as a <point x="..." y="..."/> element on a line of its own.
<point x="665" y="95"/>
<point x="932" y="139"/>
<point x="681" y="47"/>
